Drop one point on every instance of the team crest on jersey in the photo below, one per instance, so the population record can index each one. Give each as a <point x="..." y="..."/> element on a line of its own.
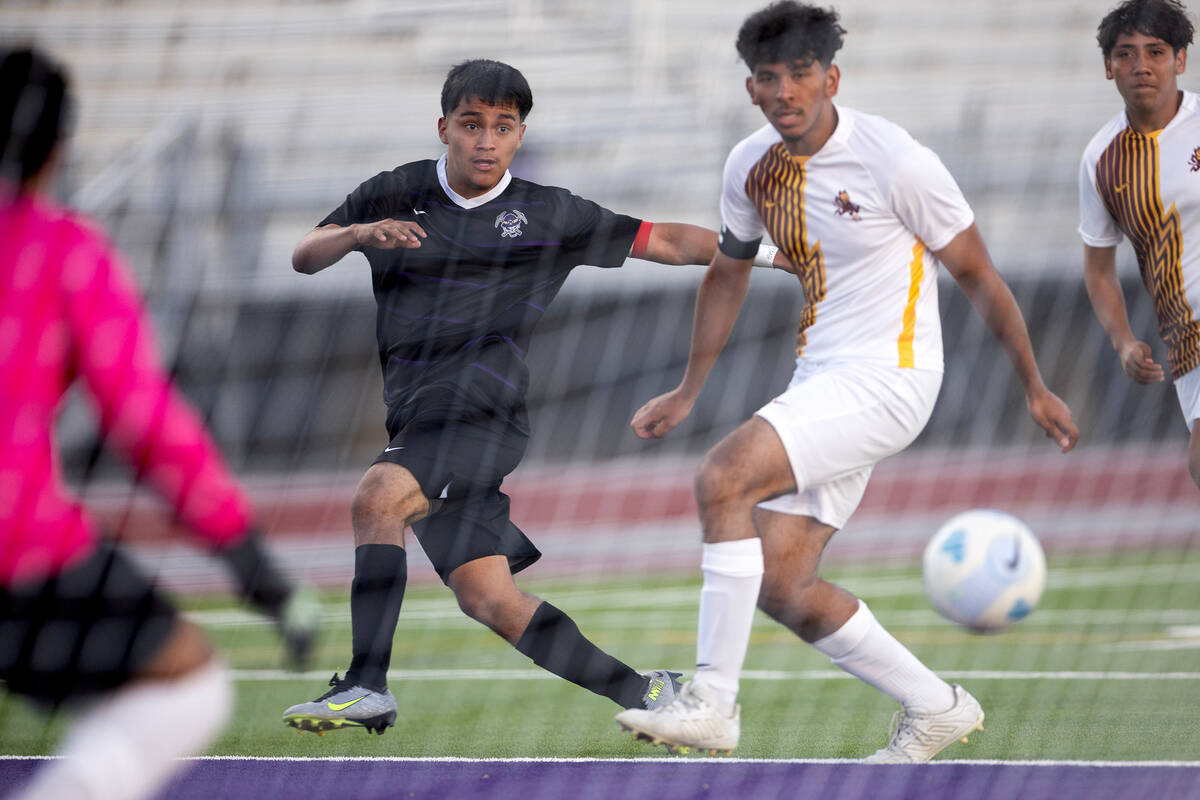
<point x="844" y="206"/>
<point x="509" y="223"/>
<point x="1195" y="162"/>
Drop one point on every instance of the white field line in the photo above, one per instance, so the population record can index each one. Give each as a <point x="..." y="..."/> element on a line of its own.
<point x="680" y="597"/>
<point x="686" y="617"/>
<point x="401" y="675"/>
<point x="1157" y="645"/>
<point x="661" y="760"/>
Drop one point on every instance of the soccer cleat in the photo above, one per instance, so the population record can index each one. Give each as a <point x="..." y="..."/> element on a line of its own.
<point x="916" y="738"/>
<point x="688" y="722"/>
<point x="345" y="705"/>
<point x="664" y="686"/>
<point x="298" y="625"/>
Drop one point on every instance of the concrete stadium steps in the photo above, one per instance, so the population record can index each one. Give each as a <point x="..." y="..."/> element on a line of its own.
<point x="329" y="92"/>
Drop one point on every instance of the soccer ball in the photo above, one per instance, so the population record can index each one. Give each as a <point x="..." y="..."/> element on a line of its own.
<point x="984" y="570"/>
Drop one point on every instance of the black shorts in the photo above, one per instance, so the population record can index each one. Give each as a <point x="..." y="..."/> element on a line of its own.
<point x="459" y="467"/>
<point x="83" y="632"/>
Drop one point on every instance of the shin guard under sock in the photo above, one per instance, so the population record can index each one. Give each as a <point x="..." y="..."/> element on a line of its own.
<point x="553" y="641"/>
<point x="380" y="574"/>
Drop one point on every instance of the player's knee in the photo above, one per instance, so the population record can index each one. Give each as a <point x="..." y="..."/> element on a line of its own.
<point x="185" y="651"/>
<point x="716" y="485"/>
<point x="384" y="500"/>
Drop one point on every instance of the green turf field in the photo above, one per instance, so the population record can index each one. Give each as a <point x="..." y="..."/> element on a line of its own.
<point x="1108" y="668"/>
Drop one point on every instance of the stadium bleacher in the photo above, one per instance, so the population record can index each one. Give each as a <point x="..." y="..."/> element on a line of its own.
<point x="325" y="93"/>
<point x="211" y="137"/>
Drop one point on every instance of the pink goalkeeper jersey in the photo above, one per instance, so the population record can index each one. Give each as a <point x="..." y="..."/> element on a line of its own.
<point x="69" y="309"/>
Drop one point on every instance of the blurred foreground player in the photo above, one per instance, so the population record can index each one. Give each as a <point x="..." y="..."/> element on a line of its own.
<point x="1140" y="179"/>
<point x="464" y="258"/>
<point x="79" y="625"/>
<point x="866" y="214"/>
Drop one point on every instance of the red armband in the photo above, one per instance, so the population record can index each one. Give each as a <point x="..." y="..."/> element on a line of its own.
<point x="641" y="241"/>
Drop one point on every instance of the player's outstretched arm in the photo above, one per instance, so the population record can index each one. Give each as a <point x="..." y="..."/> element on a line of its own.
<point x="717" y="305"/>
<point x="968" y="261"/>
<point x="326" y="245"/>
<point x="680" y="243"/>
<point x="141" y="413"/>
<point x="1108" y="301"/>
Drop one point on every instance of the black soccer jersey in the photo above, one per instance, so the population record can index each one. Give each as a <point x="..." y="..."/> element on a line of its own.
<point x="454" y="316"/>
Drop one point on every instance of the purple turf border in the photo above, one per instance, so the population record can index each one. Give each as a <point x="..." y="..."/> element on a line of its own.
<point x="268" y="779"/>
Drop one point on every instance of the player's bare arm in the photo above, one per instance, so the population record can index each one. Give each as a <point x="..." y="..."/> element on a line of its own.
<point x="326" y="245"/>
<point x="717" y="305"/>
<point x="680" y="243"/>
<point x="968" y="261"/>
<point x="1108" y="301"/>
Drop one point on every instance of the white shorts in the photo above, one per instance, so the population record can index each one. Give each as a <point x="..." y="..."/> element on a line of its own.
<point x="836" y="421"/>
<point x="1187" y="387"/>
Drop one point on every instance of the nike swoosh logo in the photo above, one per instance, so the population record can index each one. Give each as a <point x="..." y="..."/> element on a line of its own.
<point x="340" y="706"/>
<point x="417" y="211"/>
<point x="1121" y="188"/>
<point x="1016" y="554"/>
<point x="392" y="449"/>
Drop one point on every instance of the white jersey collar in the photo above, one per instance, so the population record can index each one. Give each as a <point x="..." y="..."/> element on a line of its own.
<point x="845" y="124"/>
<point x="1187" y="107"/>
<point x="471" y="202"/>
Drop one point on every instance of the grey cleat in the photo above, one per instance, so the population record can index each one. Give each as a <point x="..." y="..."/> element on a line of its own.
<point x="664" y="685"/>
<point x="345" y="705"/>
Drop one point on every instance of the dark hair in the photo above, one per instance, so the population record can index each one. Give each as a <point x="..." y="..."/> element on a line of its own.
<point x="788" y="31"/>
<point x="492" y="82"/>
<point x="1161" y="19"/>
<point x="35" y="111"/>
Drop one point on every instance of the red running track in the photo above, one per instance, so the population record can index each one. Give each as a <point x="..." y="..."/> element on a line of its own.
<point x="580" y="495"/>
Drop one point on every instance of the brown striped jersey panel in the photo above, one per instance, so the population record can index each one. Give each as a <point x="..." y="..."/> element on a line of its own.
<point x="776" y="187"/>
<point x="1128" y="180"/>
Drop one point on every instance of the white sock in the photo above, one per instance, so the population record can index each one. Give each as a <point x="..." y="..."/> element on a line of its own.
<point x="867" y="651"/>
<point x="732" y="576"/>
<point x="127" y="745"/>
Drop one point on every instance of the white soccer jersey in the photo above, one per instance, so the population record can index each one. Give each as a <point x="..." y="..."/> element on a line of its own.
<point x="1146" y="186"/>
<point x="861" y="218"/>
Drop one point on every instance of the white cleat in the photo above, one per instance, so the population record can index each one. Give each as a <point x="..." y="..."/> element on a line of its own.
<point x="689" y="722"/>
<point x="916" y="738"/>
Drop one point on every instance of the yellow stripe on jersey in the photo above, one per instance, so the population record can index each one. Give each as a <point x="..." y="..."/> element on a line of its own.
<point x="775" y="185"/>
<point x="1127" y="178"/>
<point x="916" y="271"/>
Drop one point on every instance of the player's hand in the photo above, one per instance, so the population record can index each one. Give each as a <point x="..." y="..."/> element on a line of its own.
<point x="660" y="415"/>
<point x="1138" y="363"/>
<point x="388" y="234"/>
<point x="1054" y="417"/>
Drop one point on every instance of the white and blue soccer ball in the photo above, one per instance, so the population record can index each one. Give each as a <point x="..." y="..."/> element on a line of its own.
<point x="984" y="570"/>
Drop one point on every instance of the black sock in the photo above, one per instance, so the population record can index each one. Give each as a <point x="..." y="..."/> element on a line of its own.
<point x="555" y="644"/>
<point x="380" y="572"/>
<point x="259" y="580"/>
